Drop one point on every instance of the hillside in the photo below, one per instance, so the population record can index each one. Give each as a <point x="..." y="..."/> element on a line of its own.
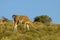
<point x="41" y="32"/>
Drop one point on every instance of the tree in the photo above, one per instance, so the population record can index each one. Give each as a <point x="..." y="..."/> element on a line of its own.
<point x="43" y="18"/>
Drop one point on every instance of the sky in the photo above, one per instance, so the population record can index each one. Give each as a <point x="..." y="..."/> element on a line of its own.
<point x="31" y="8"/>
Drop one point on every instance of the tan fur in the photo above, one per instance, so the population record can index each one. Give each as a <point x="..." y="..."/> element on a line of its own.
<point x="22" y="19"/>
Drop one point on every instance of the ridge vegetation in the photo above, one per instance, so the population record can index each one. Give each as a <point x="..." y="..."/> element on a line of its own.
<point x="40" y="32"/>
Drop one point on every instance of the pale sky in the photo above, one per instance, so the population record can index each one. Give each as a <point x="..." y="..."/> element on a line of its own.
<point x="31" y="8"/>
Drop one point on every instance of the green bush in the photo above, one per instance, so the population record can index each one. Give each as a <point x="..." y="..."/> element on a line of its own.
<point x="44" y="19"/>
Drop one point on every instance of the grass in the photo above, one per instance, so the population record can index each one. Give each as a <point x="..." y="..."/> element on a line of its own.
<point x="41" y="32"/>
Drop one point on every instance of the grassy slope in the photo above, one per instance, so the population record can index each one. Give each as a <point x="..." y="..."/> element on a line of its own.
<point x="41" y="32"/>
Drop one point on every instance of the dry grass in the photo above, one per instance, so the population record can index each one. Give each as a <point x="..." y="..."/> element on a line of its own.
<point x="41" y="32"/>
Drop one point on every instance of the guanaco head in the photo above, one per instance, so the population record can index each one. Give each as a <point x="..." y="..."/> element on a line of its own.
<point x="13" y="16"/>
